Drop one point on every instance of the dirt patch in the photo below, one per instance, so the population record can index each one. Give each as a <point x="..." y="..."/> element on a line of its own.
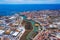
<point x="25" y="34"/>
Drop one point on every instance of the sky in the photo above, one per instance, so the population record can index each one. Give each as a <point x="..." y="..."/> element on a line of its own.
<point x="29" y="1"/>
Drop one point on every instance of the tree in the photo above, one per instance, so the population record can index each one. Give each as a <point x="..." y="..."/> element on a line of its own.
<point x="28" y="25"/>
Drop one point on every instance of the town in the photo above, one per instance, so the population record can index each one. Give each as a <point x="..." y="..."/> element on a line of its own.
<point x="31" y="25"/>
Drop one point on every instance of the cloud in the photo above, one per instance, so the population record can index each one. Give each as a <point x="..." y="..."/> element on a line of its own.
<point x="29" y="1"/>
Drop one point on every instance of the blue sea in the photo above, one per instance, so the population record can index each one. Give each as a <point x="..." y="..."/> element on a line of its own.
<point x="10" y="9"/>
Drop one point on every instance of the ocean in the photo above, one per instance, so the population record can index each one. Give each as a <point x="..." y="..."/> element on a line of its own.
<point x="10" y="9"/>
